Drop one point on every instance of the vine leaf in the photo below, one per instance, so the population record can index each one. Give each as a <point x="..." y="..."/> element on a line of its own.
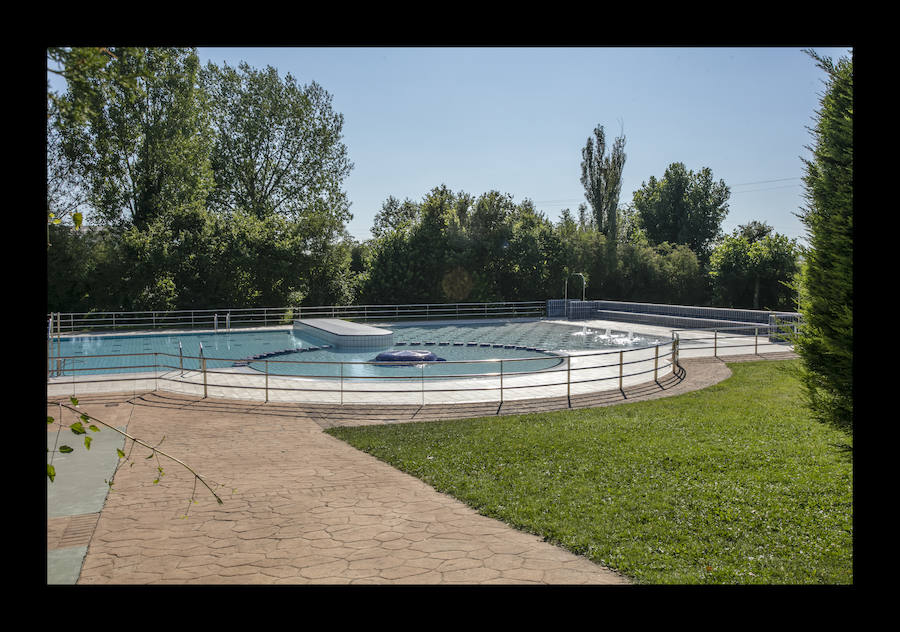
<point x="87" y="442"/>
<point x="65" y="449"/>
<point x="77" y="428"/>
<point x="51" y="472"/>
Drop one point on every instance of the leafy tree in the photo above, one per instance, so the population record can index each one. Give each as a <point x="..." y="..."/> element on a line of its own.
<point x="532" y="264"/>
<point x="489" y="230"/>
<point x="395" y="215"/>
<point x="141" y="147"/>
<point x="279" y="164"/>
<point x="754" y="268"/>
<point x="92" y="75"/>
<point x="601" y="176"/>
<point x="65" y="187"/>
<point x="754" y="231"/>
<point x="666" y="273"/>
<point x="278" y="146"/>
<point x="825" y="342"/>
<point x="683" y="208"/>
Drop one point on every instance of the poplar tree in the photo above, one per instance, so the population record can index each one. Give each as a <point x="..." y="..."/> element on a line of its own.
<point x="601" y="176"/>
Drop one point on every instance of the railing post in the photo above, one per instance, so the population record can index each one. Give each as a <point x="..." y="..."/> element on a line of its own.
<point x="621" y="367"/>
<point x="656" y="363"/>
<point x="203" y="369"/>
<point x="423" y="384"/>
<point x="342" y="383"/>
<point x="180" y="358"/>
<point x="501" y="382"/>
<point x="715" y="343"/>
<point x="756" y="341"/>
<point x="267" y="381"/>
<point x="58" y="345"/>
<point x="569" y="379"/>
<point x="50" y="346"/>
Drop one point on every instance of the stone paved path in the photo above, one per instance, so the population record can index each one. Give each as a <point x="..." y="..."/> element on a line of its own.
<point x="301" y="506"/>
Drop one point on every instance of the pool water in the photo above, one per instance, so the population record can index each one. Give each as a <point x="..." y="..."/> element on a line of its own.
<point x="531" y="344"/>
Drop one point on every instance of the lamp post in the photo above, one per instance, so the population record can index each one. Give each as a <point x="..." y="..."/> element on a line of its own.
<point x="583" y="288"/>
<point x="583" y="284"/>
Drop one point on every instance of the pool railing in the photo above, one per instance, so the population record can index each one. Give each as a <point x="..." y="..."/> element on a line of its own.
<point x="227" y="318"/>
<point x="196" y="371"/>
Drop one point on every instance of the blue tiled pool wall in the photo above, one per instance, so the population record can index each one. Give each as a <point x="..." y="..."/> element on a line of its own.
<point x="686" y="316"/>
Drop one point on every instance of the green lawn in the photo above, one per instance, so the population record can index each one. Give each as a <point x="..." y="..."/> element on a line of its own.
<point x="732" y="484"/>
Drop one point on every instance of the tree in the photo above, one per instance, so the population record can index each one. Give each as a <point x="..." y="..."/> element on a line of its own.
<point x="683" y="208"/>
<point x="825" y="340"/>
<point x="278" y="146"/>
<point x="395" y="215"/>
<point x="279" y="163"/>
<point x="754" y="268"/>
<point x="92" y="75"/>
<point x="601" y="176"/>
<point x="65" y="187"/>
<point x="141" y="148"/>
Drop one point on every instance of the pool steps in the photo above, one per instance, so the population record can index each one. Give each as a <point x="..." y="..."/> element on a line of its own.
<point x="272" y="354"/>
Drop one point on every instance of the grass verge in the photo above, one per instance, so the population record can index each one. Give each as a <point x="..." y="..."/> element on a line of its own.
<point x="732" y="484"/>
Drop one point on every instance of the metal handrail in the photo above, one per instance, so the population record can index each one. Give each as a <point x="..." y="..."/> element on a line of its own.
<point x="565" y="361"/>
<point x="778" y="329"/>
<point x="265" y="316"/>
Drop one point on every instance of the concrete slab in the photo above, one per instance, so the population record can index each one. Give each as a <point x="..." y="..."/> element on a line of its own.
<point x="64" y="565"/>
<point x="79" y="487"/>
<point x="345" y="334"/>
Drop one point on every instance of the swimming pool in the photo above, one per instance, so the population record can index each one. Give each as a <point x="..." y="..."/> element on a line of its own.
<point x="522" y="346"/>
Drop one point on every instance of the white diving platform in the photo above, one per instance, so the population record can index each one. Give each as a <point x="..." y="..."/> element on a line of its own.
<point x="344" y="334"/>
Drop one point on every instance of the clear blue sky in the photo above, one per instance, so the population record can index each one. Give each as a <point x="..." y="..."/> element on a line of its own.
<point x="515" y="119"/>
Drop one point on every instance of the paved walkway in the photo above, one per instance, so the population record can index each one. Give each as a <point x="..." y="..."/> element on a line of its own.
<point x="299" y="505"/>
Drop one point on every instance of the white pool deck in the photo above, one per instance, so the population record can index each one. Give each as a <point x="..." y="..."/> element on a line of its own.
<point x="582" y="372"/>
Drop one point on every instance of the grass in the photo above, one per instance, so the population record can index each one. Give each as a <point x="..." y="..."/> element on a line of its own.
<point x="732" y="484"/>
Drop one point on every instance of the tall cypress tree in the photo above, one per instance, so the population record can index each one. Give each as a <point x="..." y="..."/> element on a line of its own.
<point x="825" y="342"/>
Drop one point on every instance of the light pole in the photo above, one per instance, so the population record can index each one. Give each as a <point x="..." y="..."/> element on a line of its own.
<point x="583" y="288"/>
<point x="583" y="284"/>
